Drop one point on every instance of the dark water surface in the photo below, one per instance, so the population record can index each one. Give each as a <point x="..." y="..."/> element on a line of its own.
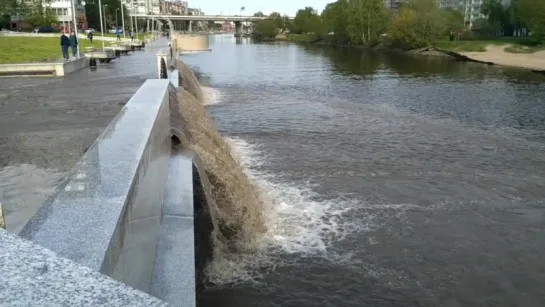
<point x="401" y="181"/>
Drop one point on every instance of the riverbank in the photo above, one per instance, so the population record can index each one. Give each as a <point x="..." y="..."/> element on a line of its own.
<point x="497" y="55"/>
<point x="525" y="53"/>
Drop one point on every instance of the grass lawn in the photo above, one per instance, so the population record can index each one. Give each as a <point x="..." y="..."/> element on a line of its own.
<point x="518" y="45"/>
<point x="35" y="49"/>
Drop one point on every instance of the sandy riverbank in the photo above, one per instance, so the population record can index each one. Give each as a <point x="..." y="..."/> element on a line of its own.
<point x="497" y="55"/>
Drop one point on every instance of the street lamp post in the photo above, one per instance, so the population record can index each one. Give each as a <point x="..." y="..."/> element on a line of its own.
<point x="101" y="23"/>
<point x="104" y="10"/>
<point x="135" y="26"/>
<point x="74" y="22"/>
<point x="123" y="18"/>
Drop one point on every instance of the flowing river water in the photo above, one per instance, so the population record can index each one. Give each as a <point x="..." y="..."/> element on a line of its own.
<point x="396" y="180"/>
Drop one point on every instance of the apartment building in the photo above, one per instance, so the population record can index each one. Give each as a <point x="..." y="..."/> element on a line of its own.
<point x="172" y="8"/>
<point x="63" y="10"/>
<point x="143" y="6"/>
<point x="195" y="12"/>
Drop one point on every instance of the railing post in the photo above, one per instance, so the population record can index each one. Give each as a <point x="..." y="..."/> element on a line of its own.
<point x="2" y="220"/>
<point x="162" y="60"/>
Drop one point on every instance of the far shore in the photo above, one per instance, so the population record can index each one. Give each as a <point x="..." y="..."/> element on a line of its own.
<point x="507" y="54"/>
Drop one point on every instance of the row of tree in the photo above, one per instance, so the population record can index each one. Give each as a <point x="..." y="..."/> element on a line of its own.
<point x="34" y="13"/>
<point x="417" y="23"/>
<point x="39" y="13"/>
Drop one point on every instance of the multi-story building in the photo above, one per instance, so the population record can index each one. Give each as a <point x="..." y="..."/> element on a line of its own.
<point x="142" y="6"/>
<point x="195" y="12"/>
<point x="173" y="7"/>
<point x="63" y="10"/>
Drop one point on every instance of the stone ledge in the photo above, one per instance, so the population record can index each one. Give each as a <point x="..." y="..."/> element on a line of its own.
<point x="31" y="275"/>
<point x="106" y="213"/>
<point x="57" y="69"/>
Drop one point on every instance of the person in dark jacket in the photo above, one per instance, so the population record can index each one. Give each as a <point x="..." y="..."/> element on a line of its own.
<point x="74" y="43"/>
<point x="65" y="44"/>
<point x="90" y="36"/>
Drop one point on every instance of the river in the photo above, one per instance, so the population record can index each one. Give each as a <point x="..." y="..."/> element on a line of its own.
<point x="398" y="181"/>
<point x="395" y="180"/>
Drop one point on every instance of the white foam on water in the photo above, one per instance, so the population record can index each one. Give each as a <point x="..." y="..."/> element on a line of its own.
<point x="298" y="221"/>
<point x="211" y="95"/>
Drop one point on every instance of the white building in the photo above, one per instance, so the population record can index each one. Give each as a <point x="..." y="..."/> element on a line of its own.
<point x="142" y="6"/>
<point x="63" y="10"/>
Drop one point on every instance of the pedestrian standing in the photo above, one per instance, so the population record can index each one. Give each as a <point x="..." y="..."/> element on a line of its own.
<point x="90" y="36"/>
<point x="118" y="34"/>
<point x="74" y="44"/>
<point x="65" y="44"/>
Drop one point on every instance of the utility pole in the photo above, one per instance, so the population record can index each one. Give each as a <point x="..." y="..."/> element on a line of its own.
<point x="74" y="22"/>
<point x="101" y="24"/>
<point x="123" y="17"/>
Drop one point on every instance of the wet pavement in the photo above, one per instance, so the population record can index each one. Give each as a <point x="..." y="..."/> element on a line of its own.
<point x="47" y="123"/>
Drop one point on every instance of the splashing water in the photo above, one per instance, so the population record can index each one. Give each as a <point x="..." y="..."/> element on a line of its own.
<point x="256" y="218"/>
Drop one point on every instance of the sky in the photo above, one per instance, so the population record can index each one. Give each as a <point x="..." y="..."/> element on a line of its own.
<point x="232" y="7"/>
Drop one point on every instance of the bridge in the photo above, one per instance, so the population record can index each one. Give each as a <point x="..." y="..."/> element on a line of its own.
<point x="234" y="18"/>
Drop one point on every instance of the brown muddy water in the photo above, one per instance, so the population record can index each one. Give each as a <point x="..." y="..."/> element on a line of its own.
<point x="391" y="180"/>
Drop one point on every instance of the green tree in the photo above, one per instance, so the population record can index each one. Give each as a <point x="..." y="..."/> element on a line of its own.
<point x="109" y="14"/>
<point x="37" y="14"/>
<point x="305" y="20"/>
<point x="532" y="14"/>
<point x="367" y="20"/>
<point x="335" y="18"/>
<point x="265" y="30"/>
<point x="453" y="19"/>
<point x="418" y="24"/>
<point x="8" y="8"/>
<point x="278" y="20"/>
<point x="259" y="14"/>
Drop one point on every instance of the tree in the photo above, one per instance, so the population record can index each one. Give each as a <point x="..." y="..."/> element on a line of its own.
<point x="418" y="24"/>
<point x="532" y="13"/>
<point x="259" y="14"/>
<point x="278" y="20"/>
<point x="307" y="20"/>
<point x="109" y="13"/>
<point x="265" y="30"/>
<point x="37" y="14"/>
<point x="335" y="17"/>
<point x="9" y="8"/>
<point x="367" y="20"/>
<point x="454" y="19"/>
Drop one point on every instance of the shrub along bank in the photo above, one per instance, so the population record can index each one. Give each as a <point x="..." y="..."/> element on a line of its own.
<point x="417" y="23"/>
